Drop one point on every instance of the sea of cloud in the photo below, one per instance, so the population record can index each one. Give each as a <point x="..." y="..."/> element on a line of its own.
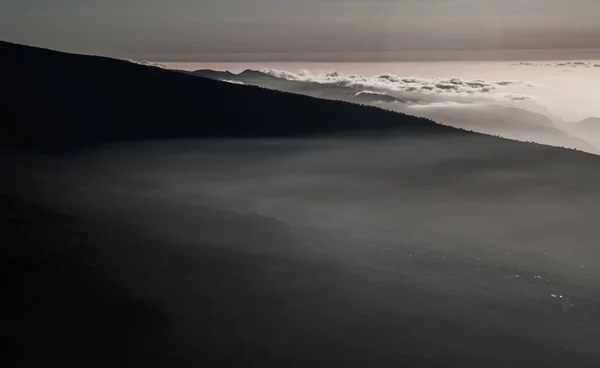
<point x="560" y="64"/>
<point x="148" y="63"/>
<point x="233" y="81"/>
<point x="394" y="83"/>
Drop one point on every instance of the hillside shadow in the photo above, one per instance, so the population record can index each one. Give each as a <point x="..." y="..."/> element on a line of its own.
<point x="59" y="310"/>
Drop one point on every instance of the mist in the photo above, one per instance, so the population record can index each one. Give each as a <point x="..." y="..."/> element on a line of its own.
<point x="377" y="231"/>
<point x="360" y="188"/>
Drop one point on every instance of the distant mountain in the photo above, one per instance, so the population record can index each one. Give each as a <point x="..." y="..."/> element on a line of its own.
<point x="249" y="73"/>
<point x="489" y="118"/>
<point x="313" y="89"/>
<point x="219" y="74"/>
<point x="587" y="129"/>
<point x="375" y="97"/>
<point x="589" y="123"/>
<point x="212" y="74"/>
<point x="508" y="122"/>
<point x="52" y="98"/>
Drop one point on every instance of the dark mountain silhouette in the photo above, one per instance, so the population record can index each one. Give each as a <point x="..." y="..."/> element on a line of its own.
<point x="211" y="74"/>
<point x="373" y="97"/>
<point x="247" y="74"/>
<point x="312" y="89"/>
<point x="55" y="98"/>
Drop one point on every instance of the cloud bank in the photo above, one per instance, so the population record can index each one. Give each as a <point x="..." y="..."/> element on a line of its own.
<point x="232" y="81"/>
<point x="148" y="63"/>
<point x="394" y="83"/>
<point x="561" y="64"/>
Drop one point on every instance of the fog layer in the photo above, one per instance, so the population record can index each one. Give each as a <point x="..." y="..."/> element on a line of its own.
<point x="441" y="248"/>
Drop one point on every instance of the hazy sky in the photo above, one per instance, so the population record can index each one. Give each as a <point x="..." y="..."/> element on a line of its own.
<point x="299" y="29"/>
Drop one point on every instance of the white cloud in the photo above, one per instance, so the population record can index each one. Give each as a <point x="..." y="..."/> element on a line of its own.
<point x="445" y="104"/>
<point x="232" y="81"/>
<point x="393" y="83"/>
<point x="148" y="63"/>
<point x="369" y="93"/>
<point x="560" y="64"/>
<point x="515" y="97"/>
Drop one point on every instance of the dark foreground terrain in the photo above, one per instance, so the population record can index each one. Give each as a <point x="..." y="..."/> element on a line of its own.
<point x="420" y="248"/>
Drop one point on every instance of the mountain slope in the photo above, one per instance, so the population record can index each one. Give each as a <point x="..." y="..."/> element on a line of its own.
<point x="51" y="97"/>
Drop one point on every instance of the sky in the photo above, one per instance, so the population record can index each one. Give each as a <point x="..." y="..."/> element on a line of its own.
<point x="311" y="30"/>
